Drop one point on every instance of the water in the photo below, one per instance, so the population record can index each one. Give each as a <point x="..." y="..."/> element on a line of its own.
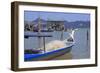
<point x="80" y="50"/>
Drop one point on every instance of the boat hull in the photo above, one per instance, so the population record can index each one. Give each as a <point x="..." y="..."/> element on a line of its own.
<point x="48" y="55"/>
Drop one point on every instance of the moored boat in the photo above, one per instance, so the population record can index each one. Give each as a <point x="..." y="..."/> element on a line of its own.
<point x="48" y="55"/>
<point x="40" y="55"/>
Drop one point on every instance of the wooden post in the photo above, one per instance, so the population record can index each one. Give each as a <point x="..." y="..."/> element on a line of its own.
<point x="62" y="35"/>
<point x="44" y="44"/>
<point x="62" y="31"/>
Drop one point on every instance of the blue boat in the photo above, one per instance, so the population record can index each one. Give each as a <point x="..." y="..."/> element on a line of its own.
<point x="36" y="55"/>
<point x="48" y="55"/>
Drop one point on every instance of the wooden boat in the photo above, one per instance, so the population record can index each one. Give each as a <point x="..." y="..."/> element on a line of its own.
<point x="37" y="55"/>
<point x="48" y="55"/>
<point x="51" y="54"/>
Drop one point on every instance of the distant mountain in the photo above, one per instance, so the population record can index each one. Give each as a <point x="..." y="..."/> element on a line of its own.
<point x="39" y="19"/>
<point x="77" y="24"/>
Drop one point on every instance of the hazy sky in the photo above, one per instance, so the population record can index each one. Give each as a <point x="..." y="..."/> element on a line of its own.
<point x="32" y="15"/>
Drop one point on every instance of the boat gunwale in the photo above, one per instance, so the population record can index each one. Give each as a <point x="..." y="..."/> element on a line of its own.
<point x="45" y="54"/>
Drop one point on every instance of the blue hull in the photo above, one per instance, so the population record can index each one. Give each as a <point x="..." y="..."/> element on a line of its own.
<point x="47" y="55"/>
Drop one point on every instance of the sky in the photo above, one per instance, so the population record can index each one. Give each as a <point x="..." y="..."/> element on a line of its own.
<point x="32" y="15"/>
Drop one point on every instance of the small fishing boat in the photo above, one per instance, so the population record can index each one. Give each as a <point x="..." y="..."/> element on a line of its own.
<point x="48" y="55"/>
<point x="40" y="55"/>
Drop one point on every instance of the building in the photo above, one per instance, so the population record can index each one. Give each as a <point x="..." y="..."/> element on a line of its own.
<point x="45" y="25"/>
<point x="55" y="25"/>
